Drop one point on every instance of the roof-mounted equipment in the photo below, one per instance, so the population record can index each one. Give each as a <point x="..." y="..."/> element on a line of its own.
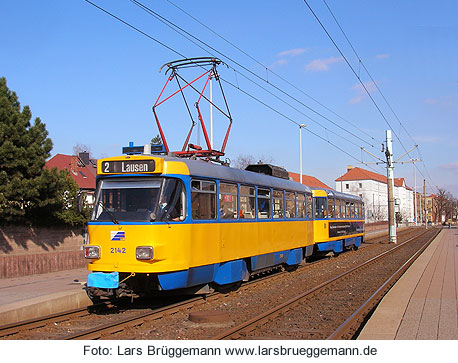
<point x="174" y="69"/>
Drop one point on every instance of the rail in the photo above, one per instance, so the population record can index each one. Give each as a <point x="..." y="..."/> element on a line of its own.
<point x="344" y="329"/>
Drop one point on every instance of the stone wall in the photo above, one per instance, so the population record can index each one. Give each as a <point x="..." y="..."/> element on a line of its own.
<point x="28" y="250"/>
<point x="376" y="226"/>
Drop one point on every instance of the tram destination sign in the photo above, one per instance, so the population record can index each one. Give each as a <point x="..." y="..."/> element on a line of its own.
<point x="128" y="166"/>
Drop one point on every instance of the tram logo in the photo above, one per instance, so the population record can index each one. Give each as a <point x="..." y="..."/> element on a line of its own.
<point x="117" y="235"/>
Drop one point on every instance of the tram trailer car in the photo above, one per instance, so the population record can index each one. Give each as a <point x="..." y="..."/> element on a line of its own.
<point x="166" y="224"/>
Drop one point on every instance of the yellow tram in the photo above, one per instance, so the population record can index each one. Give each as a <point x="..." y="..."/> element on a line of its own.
<point x="163" y="223"/>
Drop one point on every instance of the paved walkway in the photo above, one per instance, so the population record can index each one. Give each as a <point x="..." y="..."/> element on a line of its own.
<point x="23" y="298"/>
<point x="424" y="302"/>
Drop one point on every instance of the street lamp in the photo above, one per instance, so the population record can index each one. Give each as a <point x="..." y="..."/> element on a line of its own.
<point x="301" y="126"/>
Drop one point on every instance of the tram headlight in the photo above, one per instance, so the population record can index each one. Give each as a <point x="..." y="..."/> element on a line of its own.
<point x="144" y="253"/>
<point x="92" y="252"/>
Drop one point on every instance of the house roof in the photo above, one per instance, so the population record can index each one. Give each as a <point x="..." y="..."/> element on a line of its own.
<point x="308" y="180"/>
<point x="362" y="174"/>
<point x="84" y="175"/>
<point x="399" y="182"/>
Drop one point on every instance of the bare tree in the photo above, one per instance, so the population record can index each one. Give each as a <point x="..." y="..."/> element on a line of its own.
<point x="446" y="206"/>
<point x="242" y="161"/>
<point x="79" y="148"/>
<point x="156" y="140"/>
<point x="378" y="214"/>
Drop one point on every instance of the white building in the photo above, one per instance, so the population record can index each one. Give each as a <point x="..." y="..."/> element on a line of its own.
<point x="372" y="187"/>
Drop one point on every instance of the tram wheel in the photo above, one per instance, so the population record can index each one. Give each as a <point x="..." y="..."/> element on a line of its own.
<point x="290" y="268"/>
<point x="226" y="288"/>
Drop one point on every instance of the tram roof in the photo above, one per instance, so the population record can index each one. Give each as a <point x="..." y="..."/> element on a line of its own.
<point x="340" y="195"/>
<point x="206" y="169"/>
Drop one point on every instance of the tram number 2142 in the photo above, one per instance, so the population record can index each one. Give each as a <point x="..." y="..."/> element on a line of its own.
<point x="117" y="250"/>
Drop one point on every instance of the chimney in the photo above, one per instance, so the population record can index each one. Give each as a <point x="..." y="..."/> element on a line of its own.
<point x="349" y="167"/>
<point x="84" y="157"/>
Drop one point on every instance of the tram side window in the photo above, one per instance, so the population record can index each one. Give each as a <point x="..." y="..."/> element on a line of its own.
<point x="332" y="208"/>
<point x="290" y="205"/>
<point x="172" y="201"/>
<point x="300" y="205"/>
<point x="263" y="203"/>
<point x="352" y="210"/>
<point x="347" y="210"/>
<point x="278" y="204"/>
<point x="247" y="202"/>
<point x="341" y="209"/>
<point x="203" y="199"/>
<point x="228" y="195"/>
<point x="357" y="212"/>
<point x="338" y="213"/>
<point x="309" y="206"/>
<point x="320" y="208"/>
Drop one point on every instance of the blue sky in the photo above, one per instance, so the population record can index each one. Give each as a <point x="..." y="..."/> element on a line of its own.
<point x="93" y="80"/>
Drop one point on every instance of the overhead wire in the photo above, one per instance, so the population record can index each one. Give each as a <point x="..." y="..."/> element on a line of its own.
<point x="228" y="82"/>
<point x="178" y="29"/>
<point x="367" y="71"/>
<point x="350" y="66"/>
<point x="356" y="74"/>
<point x="360" y="62"/>
<point x="270" y="70"/>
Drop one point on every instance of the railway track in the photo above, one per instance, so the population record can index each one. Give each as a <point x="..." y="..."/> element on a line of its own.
<point x="268" y="322"/>
<point x="88" y="323"/>
<point x="32" y="329"/>
<point x="97" y="322"/>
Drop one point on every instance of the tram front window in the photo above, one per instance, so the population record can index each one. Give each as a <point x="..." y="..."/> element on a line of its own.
<point x="139" y="200"/>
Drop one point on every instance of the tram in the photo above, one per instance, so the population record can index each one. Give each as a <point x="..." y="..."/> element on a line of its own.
<point x="165" y="224"/>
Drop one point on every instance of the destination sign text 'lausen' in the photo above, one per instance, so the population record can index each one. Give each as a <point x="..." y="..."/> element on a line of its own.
<point x="128" y="166"/>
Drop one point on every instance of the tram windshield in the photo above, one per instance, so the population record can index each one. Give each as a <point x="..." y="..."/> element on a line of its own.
<point x="139" y="200"/>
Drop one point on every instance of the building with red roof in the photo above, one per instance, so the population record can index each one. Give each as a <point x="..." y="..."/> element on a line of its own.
<point x="372" y="187"/>
<point x="81" y="168"/>
<point x="308" y="180"/>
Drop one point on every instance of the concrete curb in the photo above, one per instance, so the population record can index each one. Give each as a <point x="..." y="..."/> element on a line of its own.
<point x="42" y="306"/>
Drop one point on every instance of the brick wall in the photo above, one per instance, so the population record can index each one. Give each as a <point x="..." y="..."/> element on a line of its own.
<point x="376" y="226"/>
<point x="27" y="251"/>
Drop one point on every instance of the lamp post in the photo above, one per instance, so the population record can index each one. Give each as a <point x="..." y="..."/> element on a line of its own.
<point x="301" y="126"/>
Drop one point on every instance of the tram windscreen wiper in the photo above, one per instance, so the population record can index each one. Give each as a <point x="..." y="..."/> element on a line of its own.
<point x="113" y="218"/>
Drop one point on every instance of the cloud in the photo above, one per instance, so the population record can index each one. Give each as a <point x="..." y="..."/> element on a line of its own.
<point x="280" y="62"/>
<point x="292" y="52"/>
<point x="427" y="139"/>
<point x="356" y="99"/>
<point x="361" y="92"/>
<point x="322" y="65"/>
<point x="382" y="56"/>
<point x="444" y="101"/>
<point x="431" y="101"/>
<point x="453" y="165"/>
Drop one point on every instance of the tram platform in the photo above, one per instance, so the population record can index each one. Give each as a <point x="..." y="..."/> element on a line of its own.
<point x="423" y="304"/>
<point x="23" y="298"/>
